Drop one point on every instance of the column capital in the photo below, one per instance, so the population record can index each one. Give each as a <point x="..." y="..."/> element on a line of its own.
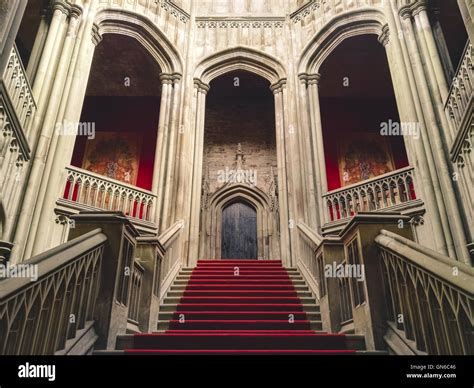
<point x="166" y="79"/>
<point x="201" y="86"/>
<point x="96" y="34"/>
<point x="309" y="79"/>
<point x="177" y="77"/>
<point x="75" y="11"/>
<point x="405" y="12"/>
<point x="61" y="6"/>
<point x="418" y="6"/>
<point x="169" y="79"/>
<point x="384" y="36"/>
<point x="278" y="86"/>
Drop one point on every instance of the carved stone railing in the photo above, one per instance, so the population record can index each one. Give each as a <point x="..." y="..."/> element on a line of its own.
<point x="461" y="93"/>
<point x="430" y="297"/>
<point x="17" y="110"/>
<point x="41" y="316"/>
<point x="99" y="192"/>
<point x="19" y="91"/>
<point x="384" y="192"/>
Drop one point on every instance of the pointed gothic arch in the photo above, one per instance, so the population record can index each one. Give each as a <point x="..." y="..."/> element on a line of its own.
<point x="112" y="21"/>
<point x="346" y="25"/>
<point x="267" y="231"/>
<point x="240" y="58"/>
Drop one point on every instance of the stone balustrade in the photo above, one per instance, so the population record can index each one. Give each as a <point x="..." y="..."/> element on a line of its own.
<point x="99" y="192"/>
<point x="382" y="192"/>
<point x="462" y="90"/>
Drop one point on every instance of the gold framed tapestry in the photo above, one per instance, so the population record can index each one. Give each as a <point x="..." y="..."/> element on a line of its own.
<point x="115" y="155"/>
<point x="362" y="156"/>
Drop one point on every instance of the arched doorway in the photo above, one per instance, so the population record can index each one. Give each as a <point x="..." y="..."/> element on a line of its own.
<point x="239" y="231"/>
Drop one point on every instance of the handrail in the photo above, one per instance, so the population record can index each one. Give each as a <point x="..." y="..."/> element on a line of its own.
<point x="169" y="234"/>
<point x="36" y="316"/>
<point x="313" y="236"/>
<point x="51" y="261"/>
<point x="428" y="260"/>
<point x="432" y="293"/>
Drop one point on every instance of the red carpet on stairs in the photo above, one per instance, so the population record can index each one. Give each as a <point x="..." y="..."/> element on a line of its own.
<point x="239" y="307"/>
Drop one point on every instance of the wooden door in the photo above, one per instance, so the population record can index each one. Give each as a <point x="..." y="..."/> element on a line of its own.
<point x="239" y="232"/>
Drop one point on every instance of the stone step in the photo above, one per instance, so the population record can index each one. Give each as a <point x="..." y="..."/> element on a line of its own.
<point x="223" y="286"/>
<point x="180" y="293"/>
<point x="168" y="315"/>
<point x="218" y="325"/>
<point x="308" y="307"/>
<point x="238" y="300"/>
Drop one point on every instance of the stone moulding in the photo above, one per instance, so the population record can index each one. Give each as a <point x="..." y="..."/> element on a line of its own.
<point x="243" y="22"/>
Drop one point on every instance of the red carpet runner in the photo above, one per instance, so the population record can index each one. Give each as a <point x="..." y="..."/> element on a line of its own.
<point x="239" y="307"/>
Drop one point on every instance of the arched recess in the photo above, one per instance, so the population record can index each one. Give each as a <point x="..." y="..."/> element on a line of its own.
<point x="111" y="21"/>
<point x="343" y="26"/>
<point x="267" y="230"/>
<point x="338" y="31"/>
<point x="240" y="58"/>
<point x="211" y="67"/>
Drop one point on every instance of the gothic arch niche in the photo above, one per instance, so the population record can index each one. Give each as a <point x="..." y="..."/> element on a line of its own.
<point x="267" y="220"/>
<point x="249" y="67"/>
<point x="123" y="103"/>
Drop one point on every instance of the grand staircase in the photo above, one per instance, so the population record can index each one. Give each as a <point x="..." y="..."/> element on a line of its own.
<point x="239" y="307"/>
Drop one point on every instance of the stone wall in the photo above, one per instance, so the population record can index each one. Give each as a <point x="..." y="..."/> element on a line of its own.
<point x="231" y="121"/>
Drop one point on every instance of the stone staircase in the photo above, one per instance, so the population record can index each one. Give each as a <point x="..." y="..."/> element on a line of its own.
<point x="239" y="307"/>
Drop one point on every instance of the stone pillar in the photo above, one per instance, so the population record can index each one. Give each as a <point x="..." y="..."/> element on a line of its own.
<point x="200" y="90"/>
<point x="45" y="133"/>
<point x="426" y="37"/>
<point x="419" y="154"/>
<point x="317" y="144"/>
<point x="166" y="147"/>
<point x="447" y="201"/>
<point x="281" y="140"/>
<point x="38" y="46"/>
<point x="434" y="69"/>
<point x="161" y="143"/>
<point x="49" y="55"/>
<point x="307" y="173"/>
<point x="166" y="215"/>
<point x="60" y="156"/>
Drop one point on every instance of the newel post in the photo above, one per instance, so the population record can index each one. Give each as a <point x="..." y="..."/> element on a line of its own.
<point x="111" y="311"/>
<point x="150" y="254"/>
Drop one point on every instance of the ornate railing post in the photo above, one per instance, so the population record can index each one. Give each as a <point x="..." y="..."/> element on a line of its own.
<point x="369" y="308"/>
<point x="111" y="313"/>
<point x="150" y="254"/>
<point x="330" y="253"/>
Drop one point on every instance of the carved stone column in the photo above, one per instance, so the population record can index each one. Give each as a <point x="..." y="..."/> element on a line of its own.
<point x="285" y="247"/>
<point x="200" y="90"/>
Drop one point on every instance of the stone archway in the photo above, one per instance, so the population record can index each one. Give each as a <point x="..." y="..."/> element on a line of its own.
<point x="267" y="220"/>
<point x="265" y="66"/>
